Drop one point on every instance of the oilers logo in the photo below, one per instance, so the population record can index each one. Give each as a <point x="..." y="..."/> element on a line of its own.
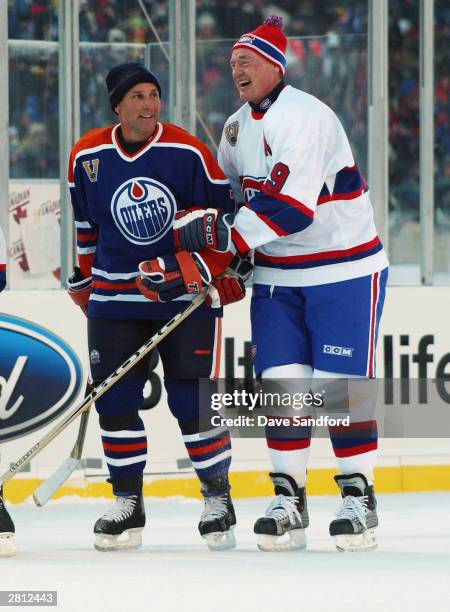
<point x="143" y="210"/>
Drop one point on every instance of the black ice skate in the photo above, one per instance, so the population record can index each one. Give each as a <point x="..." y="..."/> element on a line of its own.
<point x="217" y="522"/>
<point x="283" y="526"/>
<point x="353" y="529"/>
<point x="7" y="530"/>
<point x="120" y="528"/>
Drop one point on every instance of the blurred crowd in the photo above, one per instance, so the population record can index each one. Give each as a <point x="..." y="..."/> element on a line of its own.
<point x="327" y="56"/>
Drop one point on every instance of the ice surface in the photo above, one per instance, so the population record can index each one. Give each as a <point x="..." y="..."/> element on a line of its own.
<point x="175" y="571"/>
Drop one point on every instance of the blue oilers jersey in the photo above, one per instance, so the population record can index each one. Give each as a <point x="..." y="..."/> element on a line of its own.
<point x="124" y="206"/>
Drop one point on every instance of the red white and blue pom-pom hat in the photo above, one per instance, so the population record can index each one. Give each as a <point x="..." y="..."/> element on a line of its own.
<point x="267" y="40"/>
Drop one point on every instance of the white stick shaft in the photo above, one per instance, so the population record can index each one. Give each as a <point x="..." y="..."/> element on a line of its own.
<point x="103" y="387"/>
<point x="47" y="488"/>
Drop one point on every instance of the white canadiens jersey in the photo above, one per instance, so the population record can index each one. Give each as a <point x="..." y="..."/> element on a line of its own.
<point x="307" y="210"/>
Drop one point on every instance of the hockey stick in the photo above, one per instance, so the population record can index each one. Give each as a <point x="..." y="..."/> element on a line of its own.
<point x="104" y="386"/>
<point x="48" y="487"/>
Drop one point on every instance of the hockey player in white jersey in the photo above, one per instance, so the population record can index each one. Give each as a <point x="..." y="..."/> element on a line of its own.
<point x="7" y="547"/>
<point x="319" y="279"/>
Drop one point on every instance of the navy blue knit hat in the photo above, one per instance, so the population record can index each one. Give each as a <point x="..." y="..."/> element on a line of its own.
<point x="124" y="76"/>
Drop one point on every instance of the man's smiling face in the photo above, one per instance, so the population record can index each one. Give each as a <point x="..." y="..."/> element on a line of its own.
<point x="253" y="76"/>
<point x="139" y="112"/>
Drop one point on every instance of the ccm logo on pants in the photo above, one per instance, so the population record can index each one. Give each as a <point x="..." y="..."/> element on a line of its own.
<point x="337" y="350"/>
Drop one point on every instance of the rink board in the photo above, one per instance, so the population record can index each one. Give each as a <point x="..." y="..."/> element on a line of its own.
<point x="404" y="464"/>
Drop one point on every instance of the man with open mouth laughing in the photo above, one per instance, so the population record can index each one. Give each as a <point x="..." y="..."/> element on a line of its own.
<point x="319" y="278"/>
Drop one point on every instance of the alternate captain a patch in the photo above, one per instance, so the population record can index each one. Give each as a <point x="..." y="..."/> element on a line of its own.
<point x="231" y="132"/>
<point x="91" y="168"/>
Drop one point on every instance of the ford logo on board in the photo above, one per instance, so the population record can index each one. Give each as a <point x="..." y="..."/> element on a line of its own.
<point x="40" y="375"/>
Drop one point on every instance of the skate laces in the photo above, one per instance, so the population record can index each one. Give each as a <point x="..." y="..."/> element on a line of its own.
<point x="354" y="508"/>
<point x="282" y="506"/>
<point x="122" y="509"/>
<point x="215" y="507"/>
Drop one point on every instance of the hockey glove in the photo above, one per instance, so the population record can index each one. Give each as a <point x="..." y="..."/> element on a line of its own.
<point x="230" y="287"/>
<point x="197" y="229"/>
<point x="79" y="289"/>
<point x="240" y="266"/>
<point x="166" y="278"/>
<point x="225" y="290"/>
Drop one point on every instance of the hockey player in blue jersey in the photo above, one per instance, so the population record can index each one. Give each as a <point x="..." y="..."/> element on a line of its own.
<point x="319" y="279"/>
<point x="127" y="182"/>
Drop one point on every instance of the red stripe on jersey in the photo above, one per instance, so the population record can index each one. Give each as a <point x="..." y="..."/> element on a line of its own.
<point x="355" y="450"/>
<point x="122" y="448"/>
<point x="341" y="196"/>
<point x="86" y="237"/>
<point x="239" y="242"/>
<point x="96" y="284"/>
<point x="85" y="263"/>
<point x="273" y="226"/>
<point x="366" y="246"/>
<point x="292" y="201"/>
<point x="2" y="267"/>
<point x="208" y="448"/>
<point x="286" y="445"/>
<point x="202" y="352"/>
<point x="176" y="135"/>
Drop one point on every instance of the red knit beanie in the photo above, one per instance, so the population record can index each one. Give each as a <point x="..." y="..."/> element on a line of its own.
<point x="268" y="40"/>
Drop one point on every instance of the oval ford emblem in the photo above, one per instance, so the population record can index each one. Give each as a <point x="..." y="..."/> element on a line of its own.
<point x="40" y="375"/>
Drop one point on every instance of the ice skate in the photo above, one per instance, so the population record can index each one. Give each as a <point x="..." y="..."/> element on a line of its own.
<point x="283" y="526"/>
<point x="217" y="522"/>
<point x="353" y="529"/>
<point x="7" y="530"/>
<point x="120" y="528"/>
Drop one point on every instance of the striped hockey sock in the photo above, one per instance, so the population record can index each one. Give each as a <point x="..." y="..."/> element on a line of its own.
<point x="210" y="453"/>
<point x="125" y="446"/>
<point x="289" y="450"/>
<point x="355" y="447"/>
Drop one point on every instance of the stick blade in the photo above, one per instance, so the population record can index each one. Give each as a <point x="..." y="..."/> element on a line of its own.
<point x="47" y="488"/>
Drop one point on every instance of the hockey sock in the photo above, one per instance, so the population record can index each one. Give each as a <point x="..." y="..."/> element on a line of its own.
<point x="209" y="448"/>
<point x="210" y="453"/>
<point x="355" y="447"/>
<point x="125" y="447"/>
<point x="291" y="462"/>
<point x="289" y="446"/>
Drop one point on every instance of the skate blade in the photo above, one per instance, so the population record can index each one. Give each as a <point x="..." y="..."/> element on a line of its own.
<point x="359" y="542"/>
<point x="292" y="540"/>
<point x="128" y="540"/>
<point x="220" y="540"/>
<point x="7" y="546"/>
